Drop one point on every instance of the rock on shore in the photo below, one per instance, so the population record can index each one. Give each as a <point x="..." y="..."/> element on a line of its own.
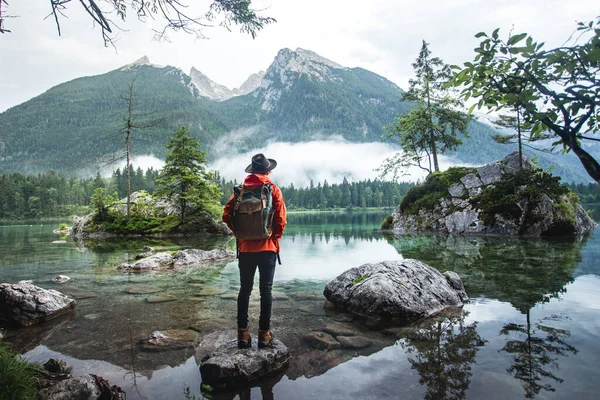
<point x="25" y="304"/>
<point x="395" y="292"/>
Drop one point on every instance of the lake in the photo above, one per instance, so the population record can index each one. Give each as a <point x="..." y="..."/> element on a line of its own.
<point x="530" y="330"/>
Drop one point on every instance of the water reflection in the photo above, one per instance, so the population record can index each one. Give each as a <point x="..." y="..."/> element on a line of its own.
<point x="535" y="348"/>
<point x="443" y="350"/>
<point x="520" y="271"/>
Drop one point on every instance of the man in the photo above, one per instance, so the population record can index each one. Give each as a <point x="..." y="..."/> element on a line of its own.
<point x="261" y="253"/>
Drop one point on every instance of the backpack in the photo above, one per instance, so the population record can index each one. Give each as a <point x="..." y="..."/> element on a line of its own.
<point x="252" y="215"/>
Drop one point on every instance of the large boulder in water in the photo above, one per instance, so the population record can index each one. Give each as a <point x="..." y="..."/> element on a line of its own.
<point x="224" y="366"/>
<point x="395" y="291"/>
<point x="25" y="304"/>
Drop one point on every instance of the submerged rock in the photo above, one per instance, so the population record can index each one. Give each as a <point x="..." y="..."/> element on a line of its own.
<point x="180" y="260"/>
<point x="171" y="339"/>
<point x="223" y="366"/>
<point x="395" y="292"/>
<point x="321" y="340"/>
<point x="26" y="304"/>
<point x="61" y="279"/>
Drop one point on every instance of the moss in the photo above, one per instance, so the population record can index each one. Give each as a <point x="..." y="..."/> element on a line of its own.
<point x="358" y="279"/>
<point x="503" y="197"/>
<point x="427" y="195"/>
<point x="388" y="222"/>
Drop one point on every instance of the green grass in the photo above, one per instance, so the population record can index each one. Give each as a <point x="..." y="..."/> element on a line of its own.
<point x="17" y="377"/>
<point x="358" y="279"/>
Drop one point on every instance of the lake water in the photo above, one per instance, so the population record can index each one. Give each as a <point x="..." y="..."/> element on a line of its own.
<point x="531" y="327"/>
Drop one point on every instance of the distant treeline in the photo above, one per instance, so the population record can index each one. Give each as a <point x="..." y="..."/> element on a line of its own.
<point x="50" y="194"/>
<point x="323" y="196"/>
<point x="589" y="193"/>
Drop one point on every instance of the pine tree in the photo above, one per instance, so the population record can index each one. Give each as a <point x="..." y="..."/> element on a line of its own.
<point x="184" y="178"/>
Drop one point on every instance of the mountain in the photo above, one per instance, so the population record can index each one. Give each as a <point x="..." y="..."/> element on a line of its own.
<point x="77" y="126"/>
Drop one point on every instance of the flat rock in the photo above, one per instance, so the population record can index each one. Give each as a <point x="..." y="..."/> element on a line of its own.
<point x="80" y="387"/>
<point x="321" y="340"/>
<point x="227" y="367"/>
<point x="164" y="298"/>
<point x="61" y="279"/>
<point x="171" y="339"/>
<point x="306" y="296"/>
<point x="229" y="296"/>
<point x="25" y="304"/>
<point x="395" y="291"/>
<point x="59" y="241"/>
<point x="354" y="342"/>
<point x="339" y="329"/>
<point x="456" y="190"/>
<point x="211" y="292"/>
<point x="213" y="324"/>
<point x="143" y="289"/>
<point x="84" y="295"/>
<point x="279" y="296"/>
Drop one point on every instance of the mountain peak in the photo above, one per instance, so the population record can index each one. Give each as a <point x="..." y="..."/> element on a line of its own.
<point x="208" y="88"/>
<point x="139" y="62"/>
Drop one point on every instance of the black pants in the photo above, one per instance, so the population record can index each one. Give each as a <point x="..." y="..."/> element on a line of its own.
<point x="265" y="261"/>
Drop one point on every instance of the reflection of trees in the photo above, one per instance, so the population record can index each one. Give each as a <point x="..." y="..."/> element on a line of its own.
<point x="533" y="348"/>
<point x="444" y="350"/>
<point x="346" y="225"/>
<point x="516" y="270"/>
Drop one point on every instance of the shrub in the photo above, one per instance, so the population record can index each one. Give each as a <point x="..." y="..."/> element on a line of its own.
<point x="388" y="222"/>
<point x="17" y="377"/>
<point x="428" y="194"/>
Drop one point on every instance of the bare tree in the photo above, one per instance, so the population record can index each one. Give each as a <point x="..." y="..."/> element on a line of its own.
<point x="176" y="15"/>
<point x="3" y="16"/>
<point x="133" y="122"/>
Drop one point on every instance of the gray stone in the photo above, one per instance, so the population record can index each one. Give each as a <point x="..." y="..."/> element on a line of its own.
<point x="456" y="190"/>
<point x="153" y="262"/>
<point x="339" y="330"/>
<point x="224" y="366"/>
<point x="229" y="296"/>
<point x="279" y="296"/>
<point x="321" y="340"/>
<point x="511" y="163"/>
<point x="393" y="291"/>
<point x="460" y="203"/>
<point x="81" y="387"/>
<point x="475" y="191"/>
<point x="26" y="304"/>
<point x="171" y="339"/>
<point x="490" y="173"/>
<point x="194" y="257"/>
<point x="471" y="181"/>
<point x="209" y="325"/>
<point x="61" y="279"/>
<point x="354" y="342"/>
<point x="462" y="221"/>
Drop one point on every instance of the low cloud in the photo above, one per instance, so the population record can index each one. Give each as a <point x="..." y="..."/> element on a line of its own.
<point x="319" y="160"/>
<point x="144" y="162"/>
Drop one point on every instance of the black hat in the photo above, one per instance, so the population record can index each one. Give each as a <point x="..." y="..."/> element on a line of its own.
<point x="261" y="164"/>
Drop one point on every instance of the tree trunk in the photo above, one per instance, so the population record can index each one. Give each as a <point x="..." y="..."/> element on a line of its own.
<point x="436" y="166"/>
<point x="519" y="139"/>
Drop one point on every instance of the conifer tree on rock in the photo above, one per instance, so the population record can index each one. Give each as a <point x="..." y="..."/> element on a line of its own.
<point x="184" y="179"/>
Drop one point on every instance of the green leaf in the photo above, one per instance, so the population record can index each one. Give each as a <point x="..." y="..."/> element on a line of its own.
<point x="495" y="33"/>
<point x="481" y="34"/>
<point x="472" y="108"/>
<point x="516" y="39"/>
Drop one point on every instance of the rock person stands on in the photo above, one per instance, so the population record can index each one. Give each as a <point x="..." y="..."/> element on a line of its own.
<point x="262" y="253"/>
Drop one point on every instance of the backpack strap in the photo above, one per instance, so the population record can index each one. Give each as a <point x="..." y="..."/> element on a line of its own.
<point x="239" y="199"/>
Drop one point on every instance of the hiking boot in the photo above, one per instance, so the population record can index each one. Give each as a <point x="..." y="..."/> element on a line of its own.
<point x="265" y="338"/>
<point x="244" y="339"/>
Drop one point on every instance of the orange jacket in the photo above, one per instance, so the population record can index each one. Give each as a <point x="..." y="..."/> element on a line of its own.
<point x="279" y="217"/>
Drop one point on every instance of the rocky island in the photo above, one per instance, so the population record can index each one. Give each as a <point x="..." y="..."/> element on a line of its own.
<point x="498" y="198"/>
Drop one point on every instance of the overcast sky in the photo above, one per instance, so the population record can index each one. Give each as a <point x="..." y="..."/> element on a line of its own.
<point x="383" y="36"/>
